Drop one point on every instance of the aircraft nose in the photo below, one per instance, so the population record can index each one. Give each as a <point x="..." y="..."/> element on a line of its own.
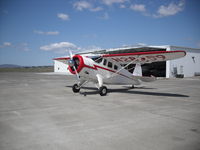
<point x="71" y="63"/>
<point x="76" y="64"/>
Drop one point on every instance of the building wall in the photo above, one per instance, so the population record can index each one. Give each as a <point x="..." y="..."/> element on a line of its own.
<point x="188" y="65"/>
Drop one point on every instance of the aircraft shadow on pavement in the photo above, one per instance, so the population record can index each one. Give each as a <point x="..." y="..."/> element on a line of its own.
<point x="128" y="90"/>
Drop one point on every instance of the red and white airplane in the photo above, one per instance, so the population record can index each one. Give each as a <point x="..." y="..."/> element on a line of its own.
<point x="104" y="69"/>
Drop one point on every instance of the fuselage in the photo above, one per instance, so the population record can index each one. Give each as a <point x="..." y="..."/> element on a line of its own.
<point x="89" y="68"/>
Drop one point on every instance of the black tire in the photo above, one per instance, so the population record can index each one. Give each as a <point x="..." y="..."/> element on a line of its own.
<point x="75" y="88"/>
<point x="103" y="91"/>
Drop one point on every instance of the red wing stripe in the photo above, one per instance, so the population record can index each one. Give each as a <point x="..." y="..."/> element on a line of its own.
<point x="62" y="58"/>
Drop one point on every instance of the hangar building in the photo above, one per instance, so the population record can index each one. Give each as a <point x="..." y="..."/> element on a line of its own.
<point x="187" y="66"/>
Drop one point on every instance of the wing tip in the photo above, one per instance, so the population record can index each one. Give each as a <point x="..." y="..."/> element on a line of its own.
<point x="180" y="51"/>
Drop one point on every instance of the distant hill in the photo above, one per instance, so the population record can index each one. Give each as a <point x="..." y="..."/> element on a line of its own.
<point x="9" y="66"/>
<point x="17" y="68"/>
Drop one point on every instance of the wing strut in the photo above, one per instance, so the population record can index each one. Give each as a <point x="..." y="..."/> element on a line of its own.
<point x="116" y="73"/>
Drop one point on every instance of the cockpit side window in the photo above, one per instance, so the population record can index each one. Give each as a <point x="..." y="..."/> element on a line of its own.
<point x="110" y="64"/>
<point x="99" y="60"/>
<point x="115" y="67"/>
<point x="104" y="62"/>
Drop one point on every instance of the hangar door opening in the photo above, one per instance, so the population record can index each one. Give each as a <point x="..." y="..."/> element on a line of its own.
<point x="157" y="69"/>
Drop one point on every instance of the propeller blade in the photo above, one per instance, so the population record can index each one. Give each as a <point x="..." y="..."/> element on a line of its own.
<point x="71" y="59"/>
<point x="70" y="54"/>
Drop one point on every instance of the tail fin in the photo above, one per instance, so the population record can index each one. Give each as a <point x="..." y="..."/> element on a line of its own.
<point x="147" y="79"/>
<point x="137" y="73"/>
<point x="138" y="70"/>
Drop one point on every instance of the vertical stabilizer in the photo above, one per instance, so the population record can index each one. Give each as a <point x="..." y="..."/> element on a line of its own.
<point x="137" y="74"/>
<point x="138" y="70"/>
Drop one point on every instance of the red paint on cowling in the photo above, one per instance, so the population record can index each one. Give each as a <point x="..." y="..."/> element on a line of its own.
<point x="80" y="66"/>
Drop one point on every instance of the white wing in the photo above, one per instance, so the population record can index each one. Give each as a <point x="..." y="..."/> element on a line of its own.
<point x="144" y="57"/>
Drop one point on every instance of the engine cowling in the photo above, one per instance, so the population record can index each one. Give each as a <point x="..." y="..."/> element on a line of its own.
<point x="77" y="63"/>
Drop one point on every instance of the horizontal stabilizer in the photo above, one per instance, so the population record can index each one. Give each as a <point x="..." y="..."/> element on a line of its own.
<point x="145" y="78"/>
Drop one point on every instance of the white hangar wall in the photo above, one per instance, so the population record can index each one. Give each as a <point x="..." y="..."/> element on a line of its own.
<point x="61" y="66"/>
<point x="188" y="66"/>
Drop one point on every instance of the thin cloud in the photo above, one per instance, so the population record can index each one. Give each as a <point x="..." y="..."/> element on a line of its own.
<point x="84" y="5"/>
<point x="46" y="33"/>
<point x="81" y="5"/>
<point x="96" y="9"/>
<point x="138" y="7"/>
<point x="65" y="47"/>
<point x="122" y="6"/>
<point x="63" y="16"/>
<point x="162" y="11"/>
<point x="111" y="2"/>
<point x="20" y="46"/>
<point x="90" y="48"/>
<point x="6" y="44"/>
<point x="61" y="47"/>
<point x="169" y="10"/>
<point x="23" y="46"/>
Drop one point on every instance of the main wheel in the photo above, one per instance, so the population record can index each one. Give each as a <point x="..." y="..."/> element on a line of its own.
<point x="132" y="86"/>
<point x="103" y="91"/>
<point x="75" y="88"/>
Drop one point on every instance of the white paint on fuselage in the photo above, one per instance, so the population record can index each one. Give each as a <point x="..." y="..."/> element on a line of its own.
<point x="109" y="74"/>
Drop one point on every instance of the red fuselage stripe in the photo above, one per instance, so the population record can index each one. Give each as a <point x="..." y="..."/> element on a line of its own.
<point x="96" y="66"/>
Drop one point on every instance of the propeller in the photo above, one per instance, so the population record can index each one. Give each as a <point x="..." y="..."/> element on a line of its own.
<point x="70" y="54"/>
<point x="71" y="63"/>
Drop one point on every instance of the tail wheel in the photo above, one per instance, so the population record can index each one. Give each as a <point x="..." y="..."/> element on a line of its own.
<point x="132" y="86"/>
<point x="103" y="91"/>
<point x="75" y="88"/>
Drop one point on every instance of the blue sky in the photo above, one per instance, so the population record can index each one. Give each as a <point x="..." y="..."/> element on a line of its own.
<point x="32" y="32"/>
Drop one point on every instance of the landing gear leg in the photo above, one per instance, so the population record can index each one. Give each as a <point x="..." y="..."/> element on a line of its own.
<point x="76" y="87"/>
<point x="102" y="89"/>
